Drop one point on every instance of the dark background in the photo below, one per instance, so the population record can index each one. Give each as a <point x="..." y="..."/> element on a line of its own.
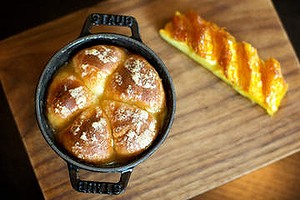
<point x="17" y="177"/>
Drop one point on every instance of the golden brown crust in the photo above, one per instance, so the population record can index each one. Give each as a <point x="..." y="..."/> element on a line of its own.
<point x="136" y="82"/>
<point x="89" y="137"/>
<point x="67" y="96"/>
<point x="133" y="129"/>
<point x="106" y="105"/>
<point x="95" y="64"/>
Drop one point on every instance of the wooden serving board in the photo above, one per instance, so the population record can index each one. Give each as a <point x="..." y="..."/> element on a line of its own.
<point x="217" y="135"/>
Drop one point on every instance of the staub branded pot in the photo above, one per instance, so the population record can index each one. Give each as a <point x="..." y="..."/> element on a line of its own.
<point x="86" y="39"/>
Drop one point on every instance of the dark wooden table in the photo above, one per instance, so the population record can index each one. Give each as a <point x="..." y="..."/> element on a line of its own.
<point x="42" y="52"/>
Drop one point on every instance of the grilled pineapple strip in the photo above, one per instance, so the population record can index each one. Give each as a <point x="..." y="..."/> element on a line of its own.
<point x="236" y="63"/>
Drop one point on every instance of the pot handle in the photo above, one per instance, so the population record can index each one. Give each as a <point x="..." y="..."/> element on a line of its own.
<point x="98" y="187"/>
<point x="97" y="19"/>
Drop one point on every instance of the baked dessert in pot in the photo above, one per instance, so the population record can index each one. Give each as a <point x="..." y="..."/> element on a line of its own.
<point x="123" y="110"/>
<point x="63" y="60"/>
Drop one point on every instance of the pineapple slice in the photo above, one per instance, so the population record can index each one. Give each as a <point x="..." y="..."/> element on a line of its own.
<point x="236" y="63"/>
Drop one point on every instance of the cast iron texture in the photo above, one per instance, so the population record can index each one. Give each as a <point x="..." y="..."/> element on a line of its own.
<point x="87" y="39"/>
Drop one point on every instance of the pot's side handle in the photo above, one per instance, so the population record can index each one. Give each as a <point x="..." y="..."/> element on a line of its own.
<point x="98" y="187"/>
<point x="97" y="19"/>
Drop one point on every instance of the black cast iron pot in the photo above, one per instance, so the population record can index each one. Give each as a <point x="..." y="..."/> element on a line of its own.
<point x="87" y="39"/>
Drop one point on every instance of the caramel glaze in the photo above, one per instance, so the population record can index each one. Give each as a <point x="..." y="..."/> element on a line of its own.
<point x="133" y="129"/>
<point x="89" y="137"/>
<point x="237" y="63"/>
<point x="117" y="111"/>
<point x="67" y="97"/>
<point x="94" y="65"/>
<point x="136" y="83"/>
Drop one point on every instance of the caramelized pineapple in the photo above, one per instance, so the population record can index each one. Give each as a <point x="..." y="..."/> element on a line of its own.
<point x="236" y="63"/>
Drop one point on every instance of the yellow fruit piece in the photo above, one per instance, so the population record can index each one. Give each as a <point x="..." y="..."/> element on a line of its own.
<point x="236" y="63"/>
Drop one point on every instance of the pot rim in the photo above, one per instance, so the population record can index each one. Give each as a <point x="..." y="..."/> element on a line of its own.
<point x="117" y="40"/>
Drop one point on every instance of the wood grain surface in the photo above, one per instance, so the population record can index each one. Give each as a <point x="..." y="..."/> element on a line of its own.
<point x="278" y="181"/>
<point x="217" y="135"/>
